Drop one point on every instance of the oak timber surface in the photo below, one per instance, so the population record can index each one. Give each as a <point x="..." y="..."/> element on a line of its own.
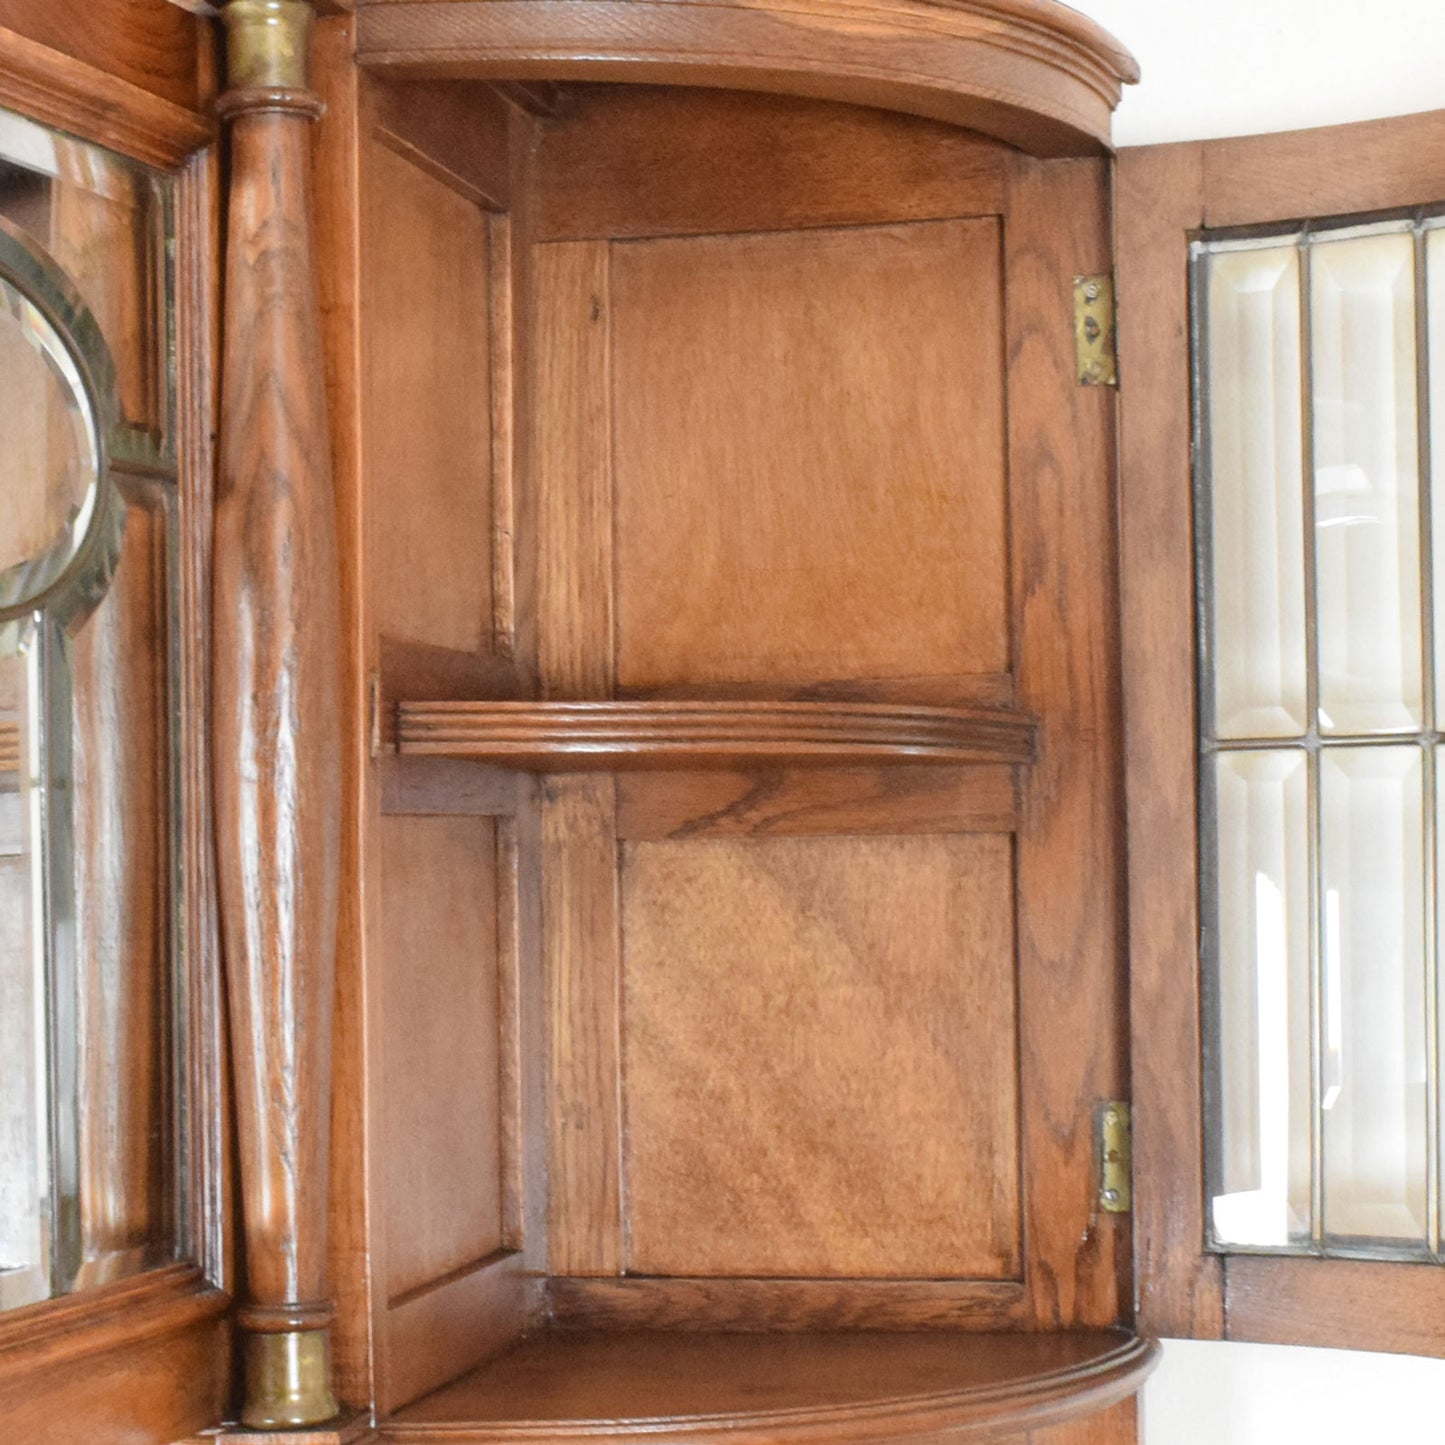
<point x="1031" y="72"/>
<point x="820" y="1057"/>
<point x="578" y="736"/>
<point x="752" y="1389"/>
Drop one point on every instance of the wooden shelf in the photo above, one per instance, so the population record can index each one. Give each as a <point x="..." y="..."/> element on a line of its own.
<point x="824" y="1389"/>
<point x="602" y="736"/>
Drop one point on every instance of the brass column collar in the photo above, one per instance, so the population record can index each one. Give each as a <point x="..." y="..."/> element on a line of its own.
<point x="267" y="43"/>
<point x="288" y="1380"/>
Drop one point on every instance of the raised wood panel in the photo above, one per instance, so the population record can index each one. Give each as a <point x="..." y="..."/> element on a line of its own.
<point x="425" y="313"/>
<point x="442" y="1128"/>
<point x="840" y="1013"/>
<point x="642" y="161"/>
<point x="822" y="496"/>
<point x="765" y="802"/>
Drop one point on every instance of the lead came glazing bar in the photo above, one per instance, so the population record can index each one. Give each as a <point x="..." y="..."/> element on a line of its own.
<point x="1373" y="994"/>
<point x="1256" y="478"/>
<point x="1362" y="312"/>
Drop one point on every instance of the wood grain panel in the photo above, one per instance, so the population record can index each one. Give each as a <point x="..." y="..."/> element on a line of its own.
<point x="1072" y="991"/>
<point x="580" y="947"/>
<point x="1341" y="1304"/>
<point x="425" y="310"/>
<point x="820" y="1070"/>
<point x="1159" y="198"/>
<point x="1253" y="179"/>
<point x="976" y="799"/>
<point x="440" y="1018"/>
<point x="809" y="455"/>
<point x="1117" y="1425"/>
<point x="572" y="445"/>
<point x="152" y="46"/>
<point x="1039" y="77"/>
<point x="785" y="1306"/>
<point x="437" y="1333"/>
<point x="643" y="161"/>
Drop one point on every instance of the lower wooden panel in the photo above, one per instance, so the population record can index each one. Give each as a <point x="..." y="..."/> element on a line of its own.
<point x="810" y="1389"/>
<point x="441" y="1050"/>
<point x="820" y="1070"/>
<point x="1118" y="1426"/>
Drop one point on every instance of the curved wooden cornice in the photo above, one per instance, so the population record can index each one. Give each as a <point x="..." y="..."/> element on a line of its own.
<point x="1030" y="72"/>
<point x="558" y="737"/>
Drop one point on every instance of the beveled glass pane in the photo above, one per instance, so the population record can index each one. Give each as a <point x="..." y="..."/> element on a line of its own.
<point x="1366" y="484"/>
<point x="1262" y="1094"/>
<point x="1373" y="1035"/>
<point x="24" y="1120"/>
<point x="49" y="460"/>
<point x="105" y="221"/>
<point x="1435" y="292"/>
<point x="1255" y="493"/>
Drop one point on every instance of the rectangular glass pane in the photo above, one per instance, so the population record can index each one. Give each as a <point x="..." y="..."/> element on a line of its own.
<point x="1261" y="1197"/>
<point x="1255" y="492"/>
<point x="1373" y="1034"/>
<point x="24" y="1117"/>
<point x="105" y="220"/>
<point x="1366" y="455"/>
<point x="1435" y="341"/>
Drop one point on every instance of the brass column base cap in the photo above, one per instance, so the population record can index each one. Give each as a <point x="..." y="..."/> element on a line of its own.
<point x="288" y="1379"/>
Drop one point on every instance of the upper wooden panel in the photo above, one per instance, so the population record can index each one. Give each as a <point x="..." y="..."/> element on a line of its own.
<point x="809" y="459"/>
<point x="1031" y="72"/>
<point x="426" y="315"/>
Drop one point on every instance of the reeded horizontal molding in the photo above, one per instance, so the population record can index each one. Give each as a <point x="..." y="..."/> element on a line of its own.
<point x="555" y="737"/>
<point x="800" y="1390"/>
<point x="1030" y="72"/>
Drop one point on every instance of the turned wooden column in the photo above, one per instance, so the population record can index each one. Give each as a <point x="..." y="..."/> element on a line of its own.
<point x="277" y="708"/>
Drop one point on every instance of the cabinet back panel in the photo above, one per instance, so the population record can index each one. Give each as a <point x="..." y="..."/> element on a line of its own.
<point x="808" y="456"/>
<point x="441" y="1058"/>
<point x="819" y="1057"/>
<point x="425" y="310"/>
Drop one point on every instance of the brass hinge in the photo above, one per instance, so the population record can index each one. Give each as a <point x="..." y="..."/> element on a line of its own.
<point x="1094" y="330"/>
<point x="1114" y="1148"/>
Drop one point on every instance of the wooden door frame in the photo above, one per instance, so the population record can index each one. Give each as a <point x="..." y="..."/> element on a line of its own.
<point x="1164" y="195"/>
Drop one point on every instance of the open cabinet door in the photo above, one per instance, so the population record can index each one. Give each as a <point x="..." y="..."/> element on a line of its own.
<point x="1276" y="361"/>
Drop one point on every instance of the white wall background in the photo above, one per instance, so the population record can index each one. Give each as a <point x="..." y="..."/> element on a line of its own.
<point x="1239" y="67"/>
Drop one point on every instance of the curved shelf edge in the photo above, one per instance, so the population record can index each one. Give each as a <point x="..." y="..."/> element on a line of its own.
<point x="1107" y="1369"/>
<point x="1030" y="72"/>
<point x="554" y="737"/>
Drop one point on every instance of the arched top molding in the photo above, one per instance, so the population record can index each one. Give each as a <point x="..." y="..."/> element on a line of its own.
<point x="1033" y="73"/>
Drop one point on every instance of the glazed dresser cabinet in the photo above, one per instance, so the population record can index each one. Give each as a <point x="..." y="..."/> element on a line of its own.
<point x="677" y="742"/>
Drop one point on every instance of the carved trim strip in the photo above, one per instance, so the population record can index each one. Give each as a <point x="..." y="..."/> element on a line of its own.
<point x="580" y="736"/>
